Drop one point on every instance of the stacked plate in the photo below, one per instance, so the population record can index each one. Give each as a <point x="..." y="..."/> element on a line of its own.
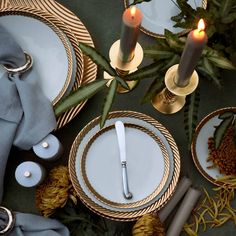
<point x="153" y="164"/>
<point x="51" y="34"/>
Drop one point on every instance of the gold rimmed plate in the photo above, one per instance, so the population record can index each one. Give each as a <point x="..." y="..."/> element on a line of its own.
<point x="80" y="33"/>
<point x="157" y="15"/>
<point x="147" y="161"/>
<point x="120" y="212"/>
<point x="199" y="148"/>
<point x="46" y="43"/>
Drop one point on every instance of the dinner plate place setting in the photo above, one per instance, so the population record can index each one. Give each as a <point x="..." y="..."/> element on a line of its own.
<point x="52" y="38"/>
<point x="153" y="166"/>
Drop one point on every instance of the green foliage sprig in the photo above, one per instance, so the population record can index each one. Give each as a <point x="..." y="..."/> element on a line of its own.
<point x="165" y="53"/>
<point x="220" y="18"/>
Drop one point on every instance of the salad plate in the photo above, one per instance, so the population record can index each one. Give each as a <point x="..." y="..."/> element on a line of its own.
<point x="199" y="147"/>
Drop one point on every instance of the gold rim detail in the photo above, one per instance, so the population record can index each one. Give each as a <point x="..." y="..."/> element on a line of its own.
<point x="133" y="204"/>
<point x="126" y="215"/>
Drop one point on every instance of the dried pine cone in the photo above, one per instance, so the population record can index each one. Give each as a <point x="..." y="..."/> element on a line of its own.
<point x="148" y="225"/>
<point x="55" y="191"/>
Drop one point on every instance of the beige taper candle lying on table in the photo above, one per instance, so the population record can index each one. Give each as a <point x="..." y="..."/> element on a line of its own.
<point x="183" y="212"/>
<point x="182" y="187"/>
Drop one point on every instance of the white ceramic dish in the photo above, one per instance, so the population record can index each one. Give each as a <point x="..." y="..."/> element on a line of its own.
<point x="157" y="15"/>
<point x="199" y="147"/>
<point x="147" y="164"/>
<point x="50" y="49"/>
<point x="124" y="212"/>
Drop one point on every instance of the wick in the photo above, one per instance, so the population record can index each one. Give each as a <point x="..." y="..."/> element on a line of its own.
<point x="27" y="174"/>
<point x="45" y="145"/>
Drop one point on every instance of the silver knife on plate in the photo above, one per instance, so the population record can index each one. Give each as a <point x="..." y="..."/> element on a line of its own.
<point x="120" y="132"/>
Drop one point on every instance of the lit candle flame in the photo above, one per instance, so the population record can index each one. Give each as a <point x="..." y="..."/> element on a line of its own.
<point x="132" y="11"/>
<point x="201" y="25"/>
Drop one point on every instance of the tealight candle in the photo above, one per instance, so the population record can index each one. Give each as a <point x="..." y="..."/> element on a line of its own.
<point x="29" y="174"/>
<point x="131" y="21"/>
<point x="49" y="148"/>
<point x="194" y="46"/>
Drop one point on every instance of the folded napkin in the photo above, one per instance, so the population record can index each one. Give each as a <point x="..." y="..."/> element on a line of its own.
<point x="33" y="225"/>
<point x="26" y="117"/>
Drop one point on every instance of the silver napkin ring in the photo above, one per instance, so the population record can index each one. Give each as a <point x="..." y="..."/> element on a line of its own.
<point x="11" y="220"/>
<point x="21" y="69"/>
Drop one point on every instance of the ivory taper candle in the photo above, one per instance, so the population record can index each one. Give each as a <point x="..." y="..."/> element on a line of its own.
<point x="194" y="46"/>
<point x="131" y="21"/>
<point x="182" y="187"/>
<point x="183" y="212"/>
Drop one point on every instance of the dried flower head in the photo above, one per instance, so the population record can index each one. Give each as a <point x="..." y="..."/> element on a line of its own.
<point x="54" y="192"/>
<point x="148" y="225"/>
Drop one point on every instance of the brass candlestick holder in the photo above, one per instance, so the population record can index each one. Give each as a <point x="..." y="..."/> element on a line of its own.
<point x="124" y="68"/>
<point x="172" y="98"/>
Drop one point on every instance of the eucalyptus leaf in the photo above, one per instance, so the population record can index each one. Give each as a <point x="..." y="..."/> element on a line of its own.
<point x="229" y="18"/>
<point x="81" y="94"/>
<point x="156" y="87"/>
<point x="191" y="114"/>
<point x="213" y="77"/>
<point x="122" y="82"/>
<point x="97" y="58"/>
<point x="228" y="114"/>
<point x="158" y="54"/>
<point x="220" y="131"/>
<point x="173" y="40"/>
<point x="222" y="62"/>
<point x="138" y="2"/>
<point x="108" y="101"/>
<point x="225" y="7"/>
<point x="145" y="72"/>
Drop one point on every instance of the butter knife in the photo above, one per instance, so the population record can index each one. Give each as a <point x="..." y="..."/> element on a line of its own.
<point x="120" y="132"/>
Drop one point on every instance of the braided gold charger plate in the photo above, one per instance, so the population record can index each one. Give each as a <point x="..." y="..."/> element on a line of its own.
<point x="122" y="212"/>
<point x="80" y="33"/>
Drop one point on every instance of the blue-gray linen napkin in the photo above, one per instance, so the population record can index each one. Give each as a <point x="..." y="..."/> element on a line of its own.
<point x="26" y="117"/>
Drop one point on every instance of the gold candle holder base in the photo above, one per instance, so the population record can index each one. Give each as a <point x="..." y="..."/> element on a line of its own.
<point x="124" y="68"/>
<point x="172" y="98"/>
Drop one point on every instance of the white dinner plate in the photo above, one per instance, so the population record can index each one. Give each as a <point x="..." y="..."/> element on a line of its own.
<point x="49" y="47"/>
<point x="147" y="163"/>
<point x="199" y="148"/>
<point x="122" y="210"/>
<point x="157" y="15"/>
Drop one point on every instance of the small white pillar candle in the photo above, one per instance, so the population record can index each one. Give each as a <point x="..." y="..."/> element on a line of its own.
<point x="29" y="174"/>
<point x="194" y="46"/>
<point x="49" y="148"/>
<point x="131" y="21"/>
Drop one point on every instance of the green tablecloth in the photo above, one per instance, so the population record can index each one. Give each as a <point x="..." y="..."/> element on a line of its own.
<point x="103" y="20"/>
